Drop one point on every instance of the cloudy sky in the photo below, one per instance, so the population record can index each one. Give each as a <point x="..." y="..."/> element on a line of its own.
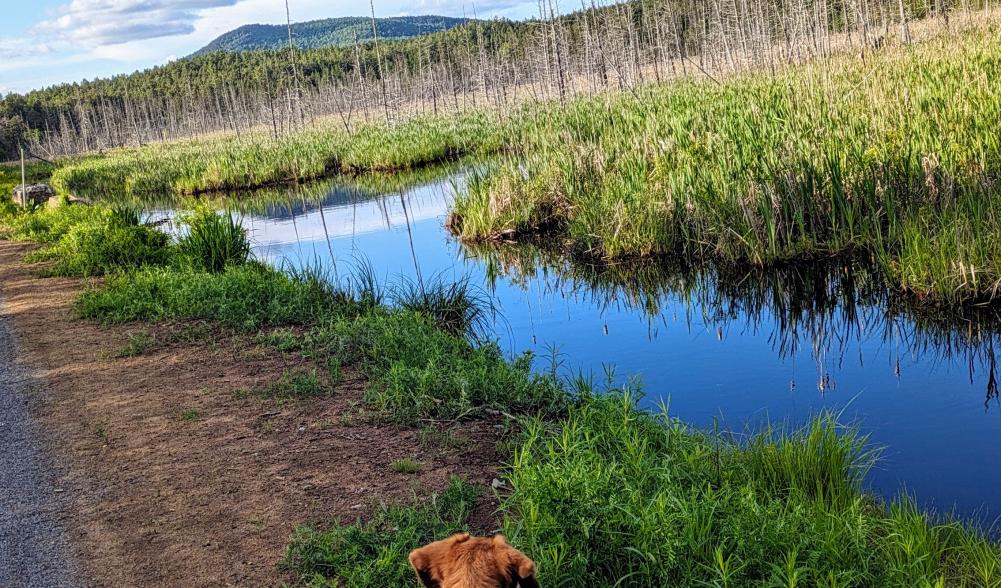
<point x="44" y="42"/>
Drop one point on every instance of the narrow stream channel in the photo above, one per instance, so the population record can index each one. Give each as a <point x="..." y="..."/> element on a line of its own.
<point x="725" y="351"/>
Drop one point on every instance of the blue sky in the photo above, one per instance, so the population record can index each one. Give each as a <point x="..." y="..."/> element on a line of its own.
<point x="45" y="42"/>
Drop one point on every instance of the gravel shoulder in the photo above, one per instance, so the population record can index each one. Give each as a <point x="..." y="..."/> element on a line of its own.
<point x="33" y="545"/>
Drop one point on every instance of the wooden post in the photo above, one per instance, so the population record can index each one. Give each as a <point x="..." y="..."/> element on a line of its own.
<point x="24" y="184"/>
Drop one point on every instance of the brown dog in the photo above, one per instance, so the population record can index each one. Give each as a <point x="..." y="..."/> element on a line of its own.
<point x="462" y="561"/>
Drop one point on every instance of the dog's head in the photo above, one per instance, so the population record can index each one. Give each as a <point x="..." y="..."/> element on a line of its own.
<point x="462" y="561"/>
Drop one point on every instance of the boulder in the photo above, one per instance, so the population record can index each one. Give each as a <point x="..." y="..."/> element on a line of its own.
<point x="33" y="194"/>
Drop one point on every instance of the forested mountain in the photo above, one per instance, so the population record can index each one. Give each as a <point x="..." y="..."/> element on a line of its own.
<point x="329" y="32"/>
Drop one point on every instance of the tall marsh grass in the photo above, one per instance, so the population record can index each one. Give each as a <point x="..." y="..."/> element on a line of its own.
<point x="896" y="157"/>
<point x="616" y="496"/>
<point x="257" y="160"/>
<point x="214" y="241"/>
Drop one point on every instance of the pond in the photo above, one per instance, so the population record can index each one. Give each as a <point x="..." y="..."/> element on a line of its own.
<point x="721" y="349"/>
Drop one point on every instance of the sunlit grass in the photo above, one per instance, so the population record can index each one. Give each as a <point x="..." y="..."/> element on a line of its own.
<point x="258" y="160"/>
<point x="896" y="157"/>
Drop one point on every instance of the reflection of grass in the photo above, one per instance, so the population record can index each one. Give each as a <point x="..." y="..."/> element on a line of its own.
<point x="806" y="305"/>
<point x="295" y="198"/>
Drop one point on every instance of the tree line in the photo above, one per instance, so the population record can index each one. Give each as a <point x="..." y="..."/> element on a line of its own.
<point x="494" y="63"/>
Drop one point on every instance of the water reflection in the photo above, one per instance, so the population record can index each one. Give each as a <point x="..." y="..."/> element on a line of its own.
<point x="825" y="307"/>
<point x="717" y="344"/>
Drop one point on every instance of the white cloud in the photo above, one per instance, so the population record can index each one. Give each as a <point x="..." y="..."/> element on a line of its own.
<point x="21" y="48"/>
<point x="97" y="23"/>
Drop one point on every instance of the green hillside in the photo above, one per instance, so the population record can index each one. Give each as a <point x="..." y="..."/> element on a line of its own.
<point x="330" y="32"/>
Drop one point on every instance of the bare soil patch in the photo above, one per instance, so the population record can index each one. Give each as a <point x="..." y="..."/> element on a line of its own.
<point x="175" y="478"/>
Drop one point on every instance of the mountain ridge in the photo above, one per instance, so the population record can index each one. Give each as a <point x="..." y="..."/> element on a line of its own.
<point x="328" y="32"/>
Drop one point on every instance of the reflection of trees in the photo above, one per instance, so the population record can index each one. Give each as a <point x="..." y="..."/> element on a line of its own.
<point x="826" y="305"/>
<point x="282" y="202"/>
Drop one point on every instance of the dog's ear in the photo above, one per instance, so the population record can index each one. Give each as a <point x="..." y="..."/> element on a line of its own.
<point x="420" y="559"/>
<point x="522" y="568"/>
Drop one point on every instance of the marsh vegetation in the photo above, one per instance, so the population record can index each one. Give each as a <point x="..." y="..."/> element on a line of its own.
<point x="600" y="489"/>
<point x="801" y="153"/>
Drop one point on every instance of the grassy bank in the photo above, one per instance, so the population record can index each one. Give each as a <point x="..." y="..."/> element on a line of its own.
<point x="895" y="157"/>
<point x="597" y="491"/>
<point x="610" y="495"/>
<point x="257" y="160"/>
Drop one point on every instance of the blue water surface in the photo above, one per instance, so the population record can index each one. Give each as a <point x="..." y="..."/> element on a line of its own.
<point x="923" y="393"/>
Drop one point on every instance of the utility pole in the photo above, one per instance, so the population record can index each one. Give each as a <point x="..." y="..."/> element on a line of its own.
<point x="378" y="59"/>
<point x="295" y="70"/>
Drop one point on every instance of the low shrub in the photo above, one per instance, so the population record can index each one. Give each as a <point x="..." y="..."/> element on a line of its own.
<point x="248" y="296"/>
<point x="102" y="245"/>
<point x="214" y="241"/>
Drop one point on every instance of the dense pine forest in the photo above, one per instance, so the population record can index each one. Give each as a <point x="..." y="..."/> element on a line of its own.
<point x="328" y="32"/>
<point x="496" y="63"/>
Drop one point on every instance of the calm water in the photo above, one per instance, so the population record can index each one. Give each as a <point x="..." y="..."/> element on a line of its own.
<point x="731" y="350"/>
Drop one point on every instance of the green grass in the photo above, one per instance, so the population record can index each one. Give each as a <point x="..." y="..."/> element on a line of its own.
<point x="612" y="495"/>
<point x="454" y="306"/>
<point x="190" y="415"/>
<point x="257" y="160"/>
<point x="405" y="466"/>
<point x="137" y="344"/>
<point x="104" y="246"/>
<point x="417" y="371"/>
<point x="297" y="385"/>
<point x="895" y="158"/>
<point x="214" y="241"/>
<point x="245" y="297"/>
<point x="374" y="552"/>
<point x="619" y="496"/>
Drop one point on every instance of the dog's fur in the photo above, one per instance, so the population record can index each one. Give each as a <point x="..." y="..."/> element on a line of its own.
<point x="462" y="561"/>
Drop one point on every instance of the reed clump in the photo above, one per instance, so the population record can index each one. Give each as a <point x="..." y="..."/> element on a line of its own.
<point x="214" y="241"/>
<point x="895" y="157"/>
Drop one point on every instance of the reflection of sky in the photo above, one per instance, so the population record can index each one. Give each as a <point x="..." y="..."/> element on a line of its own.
<point x="941" y="442"/>
<point x="350" y="214"/>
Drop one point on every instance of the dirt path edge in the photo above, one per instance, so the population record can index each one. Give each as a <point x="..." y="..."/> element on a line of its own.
<point x="34" y="550"/>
